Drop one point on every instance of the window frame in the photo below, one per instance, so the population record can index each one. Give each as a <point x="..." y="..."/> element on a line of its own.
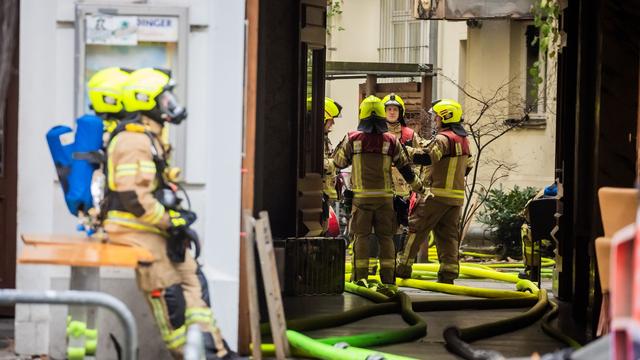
<point x="389" y="50"/>
<point x="539" y="113"/>
<point x="177" y="135"/>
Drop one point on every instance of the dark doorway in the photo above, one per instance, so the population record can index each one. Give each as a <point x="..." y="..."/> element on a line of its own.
<point x="289" y="137"/>
<point x="596" y="134"/>
<point x="8" y="150"/>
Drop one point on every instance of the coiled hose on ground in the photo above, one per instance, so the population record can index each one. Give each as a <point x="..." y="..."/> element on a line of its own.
<point x="417" y="326"/>
<point x="457" y="339"/>
<point x="352" y="346"/>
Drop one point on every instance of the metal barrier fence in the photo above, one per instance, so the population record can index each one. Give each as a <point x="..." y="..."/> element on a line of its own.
<point x="88" y="298"/>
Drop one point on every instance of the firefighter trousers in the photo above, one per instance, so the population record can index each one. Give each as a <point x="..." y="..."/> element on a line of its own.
<point x="431" y="215"/>
<point x="530" y="249"/>
<point x="176" y="292"/>
<point x="376" y="213"/>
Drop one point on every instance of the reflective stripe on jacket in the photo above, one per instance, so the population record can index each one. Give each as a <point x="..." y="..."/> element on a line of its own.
<point x="329" y="180"/>
<point x="132" y="179"/>
<point x="371" y="157"/>
<point x="451" y="158"/>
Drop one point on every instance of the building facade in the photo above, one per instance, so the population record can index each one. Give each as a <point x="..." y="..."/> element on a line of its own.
<point x="207" y="56"/>
<point x="479" y="56"/>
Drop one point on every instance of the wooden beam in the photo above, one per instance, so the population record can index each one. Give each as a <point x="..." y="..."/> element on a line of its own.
<point x="426" y="97"/>
<point x="251" y="85"/>
<point x="408" y="87"/>
<point x="271" y="282"/>
<point x="244" y="316"/>
<point x="248" y="162"/>
<point x="88" y="254"/>
<point x="372" y="82"/>
<point x="252" y="287"/>
<point x="342" y="67"/>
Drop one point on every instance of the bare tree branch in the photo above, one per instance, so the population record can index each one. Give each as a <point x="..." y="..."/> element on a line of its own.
<point x="464" y="91"/>
<point x="485" y="128"/>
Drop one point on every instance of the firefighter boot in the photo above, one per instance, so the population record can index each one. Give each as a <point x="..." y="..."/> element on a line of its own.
<point x="530" y="272"/>
<point x="524" y="274"/>
<point x="212" y="352"/>
<point x="388" y="290"/>
<point x="444" y="279"/>
<point x="403" y="271"/>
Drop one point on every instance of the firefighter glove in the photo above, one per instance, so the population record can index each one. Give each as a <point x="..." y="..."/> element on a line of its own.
<point x="418" y="187"/>
<point x="401" y="207"/>
<point x="421" y="159"/>
<point x="181" y="218"/>
<point x="179" y="240"/>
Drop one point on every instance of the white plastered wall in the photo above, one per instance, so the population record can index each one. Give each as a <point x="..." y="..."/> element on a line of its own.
<point x="213" y="154"/>
<point x="495" y="57"/>
<point x="450" y="36"/>
<point x="358" y="42"/>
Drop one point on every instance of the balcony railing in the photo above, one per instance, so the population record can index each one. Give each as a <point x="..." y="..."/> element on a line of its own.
<point x="477" y="9"/>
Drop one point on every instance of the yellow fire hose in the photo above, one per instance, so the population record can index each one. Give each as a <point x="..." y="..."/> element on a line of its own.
<point x="351" y="347"/>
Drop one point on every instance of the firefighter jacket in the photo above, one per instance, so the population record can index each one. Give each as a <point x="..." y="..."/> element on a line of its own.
<point x="451" y="161"/>
<point x="371" y="156"/>
<point x="329" y="180"/>
<point x="132" y="177"/>
<point x="411" y="141"/>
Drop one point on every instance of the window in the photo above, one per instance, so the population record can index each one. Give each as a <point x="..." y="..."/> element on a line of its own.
<point x="397" y="52"/>
<point x="462" y="71"/>
<point x="534" y="100"/>
<point x="403" y="38"/>
<point x="414" y="41"/>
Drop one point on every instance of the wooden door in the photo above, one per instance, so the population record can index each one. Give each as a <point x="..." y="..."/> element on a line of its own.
<point x="8" y="155"/>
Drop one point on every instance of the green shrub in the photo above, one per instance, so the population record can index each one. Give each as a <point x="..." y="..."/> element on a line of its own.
<point x="502" y="213"/>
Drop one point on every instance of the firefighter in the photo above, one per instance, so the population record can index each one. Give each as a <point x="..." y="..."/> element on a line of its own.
<point x="105" y="97"/>
<point x="451" y="161"/>
<point x="395" y="114"/>
<point x="372" y="150"/>
<point x="142" y="209"/>
<point x="332" y="110"/>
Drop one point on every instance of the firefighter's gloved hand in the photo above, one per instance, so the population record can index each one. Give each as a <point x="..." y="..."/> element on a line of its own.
<point x="193" y="240"/>
<point x="181" y="218"/>
<point x="179" y="240"/>
<point x="401" y="207"/>
<point x="421" y="158"/>
<point x="418" y="187"/>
